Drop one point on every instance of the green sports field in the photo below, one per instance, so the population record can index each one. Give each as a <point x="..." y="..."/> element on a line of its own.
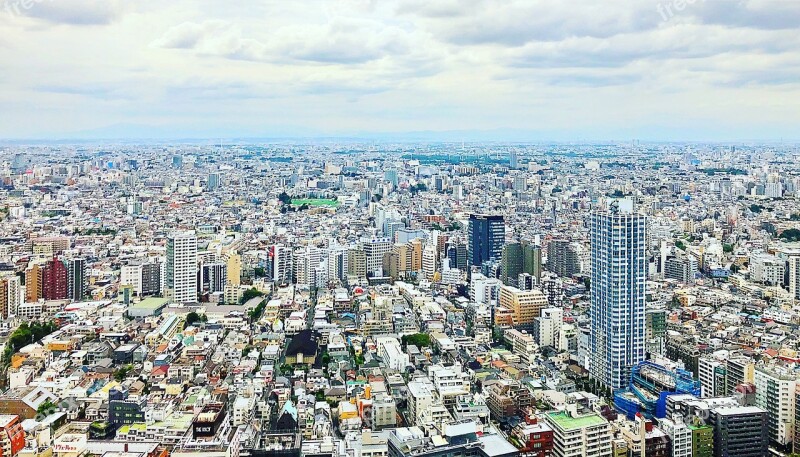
<point x="315" y="202"/>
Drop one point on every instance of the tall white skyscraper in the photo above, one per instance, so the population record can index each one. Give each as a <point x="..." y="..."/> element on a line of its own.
<point x="181" y="267"/>
<point x="794" y="274"/>
<point x="619" y="273"/>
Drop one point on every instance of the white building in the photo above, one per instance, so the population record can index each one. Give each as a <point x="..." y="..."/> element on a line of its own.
<point x="579" y="434"/>
<point x="484" y="290"/>
<point x="767" y="269"/>
<point x="775" y="392"/>
<point x="392" y="354"/>
<point x="374" y="249"/>
<point x="181" y="281"/>
<point x="680" y="436"/>
<point x="619" y="275"/>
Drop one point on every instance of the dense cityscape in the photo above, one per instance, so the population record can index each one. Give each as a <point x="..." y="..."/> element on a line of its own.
<point x="399" y="300"/>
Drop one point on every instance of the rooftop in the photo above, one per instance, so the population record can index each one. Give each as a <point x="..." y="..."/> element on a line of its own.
<point x="567" y="422"/>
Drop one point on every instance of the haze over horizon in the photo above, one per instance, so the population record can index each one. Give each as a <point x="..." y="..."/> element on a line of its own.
<point x="472" y="70"/>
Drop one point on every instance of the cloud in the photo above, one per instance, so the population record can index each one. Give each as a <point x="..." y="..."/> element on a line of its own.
<point x="517" y="22"/>
<point x="72" y="12"/>
<point x="400" y="64"/>
<point x="341" y="41"/>
<point x="757" y="14"/>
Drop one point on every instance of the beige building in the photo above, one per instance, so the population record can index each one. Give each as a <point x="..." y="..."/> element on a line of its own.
<point x="525" y="305"/>
<point x="33" y="284"/>
<point x="234" y="266"/>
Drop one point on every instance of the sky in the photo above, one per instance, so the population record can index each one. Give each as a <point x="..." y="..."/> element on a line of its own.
<point x="672" y="70"/>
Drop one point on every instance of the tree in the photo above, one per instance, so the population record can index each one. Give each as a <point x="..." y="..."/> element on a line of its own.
<point x="419" y="340"/>
<point x="255" y="313"/>
<point x="122" y="373"/>
<point x="249" y="294"/>
<point x="192" y="317"/>
<point x="416" y="188"/>
<point x="790" y="235"/>
<point x="46" y="408"/>
<point x="680" y="245"/>
<point x="727" y="248"/>
<point x="259" y="272"/>
<point x="285" y="198"/>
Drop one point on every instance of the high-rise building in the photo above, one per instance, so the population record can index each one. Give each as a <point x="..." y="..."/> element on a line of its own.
<point x="374" y="249"/>
<point x="357" y="263"/>
<point x="619" y="273"/>
<point x="213" y="181"/>
<point x="392" y="177"/>
<point x="9" y="296"/>
<point x="281" y="264"/>
<point x="76" y="282"/>
<point x="33" y="283"/>
<point x="563" y="258"/>
<point x="519" y="258"/>
<point x="775" y="392"/>
<point x="54" y="280"/>
<point x="457" y="255"/>
<point x="217" y="277"/>
<point x="337" y="264"/>
<point x="532" y="260"/>
<point x="513" y="160"/>
<point x="234" y="264"/>
<point x="429" y="260"/>
<point x="487" y="235"/>
<point x="143" y="277"/>
<point x="512" y="263"/>
<point x="181" y="267"/>
<point x="794" y="274"/>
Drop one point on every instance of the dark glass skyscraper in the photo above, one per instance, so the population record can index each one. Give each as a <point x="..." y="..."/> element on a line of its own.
<point x="76" y="281"/>
<point x="487" y="234"/>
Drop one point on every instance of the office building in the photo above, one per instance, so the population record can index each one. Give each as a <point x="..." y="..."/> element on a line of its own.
<point x="214" y="181"/>
<point x="374" y="249"/>
<point x="524" y="306"/>
<point x="740" y="430"/>
<point x="486" y="238"/>
<point x="617" y="310"/>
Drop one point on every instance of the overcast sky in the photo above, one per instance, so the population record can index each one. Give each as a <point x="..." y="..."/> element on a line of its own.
<point x="557" y="69"/>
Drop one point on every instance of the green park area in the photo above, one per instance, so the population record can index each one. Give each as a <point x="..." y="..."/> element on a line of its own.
<point x="315" y="202"/>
